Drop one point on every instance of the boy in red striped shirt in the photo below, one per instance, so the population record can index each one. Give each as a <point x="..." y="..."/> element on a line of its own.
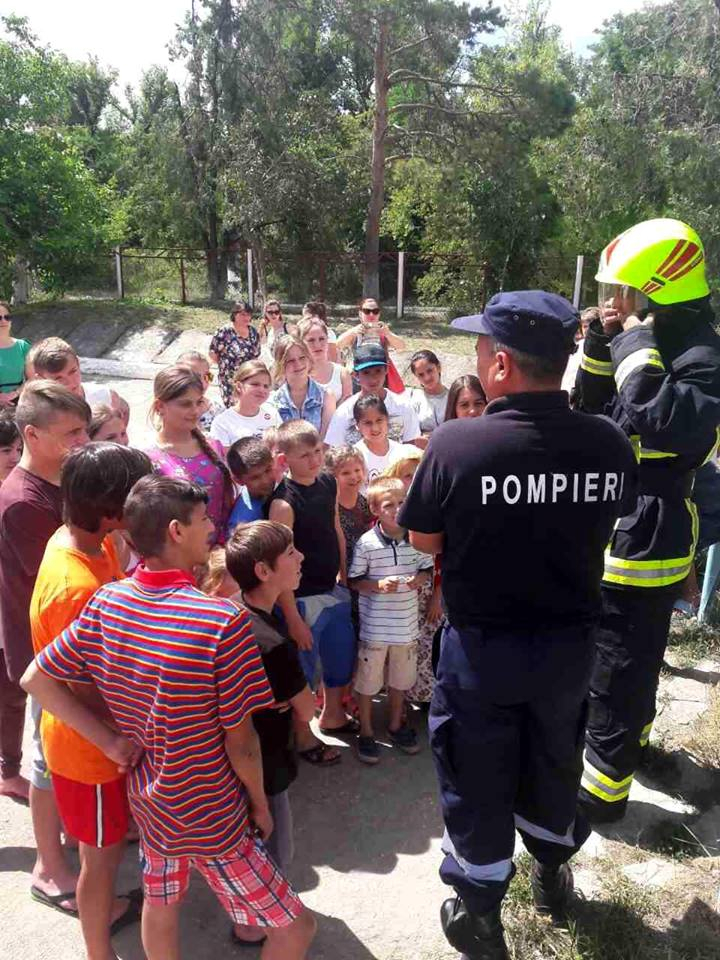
<point x="182" y="676"/>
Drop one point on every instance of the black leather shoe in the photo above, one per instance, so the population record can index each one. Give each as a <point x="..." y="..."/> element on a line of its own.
<point x="552" y="888"/>
<point x="476" y="936"/>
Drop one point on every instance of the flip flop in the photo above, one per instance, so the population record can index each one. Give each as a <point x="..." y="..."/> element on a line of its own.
<point x="316" y="755"/>
<point x="351" y="726"/>
<point x="239" y="942"/>
<point x="131" y="915"/>
<point x="54" y="901"/>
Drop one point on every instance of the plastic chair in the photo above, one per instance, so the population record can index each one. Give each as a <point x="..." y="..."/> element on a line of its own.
<point x="712" y="571"/>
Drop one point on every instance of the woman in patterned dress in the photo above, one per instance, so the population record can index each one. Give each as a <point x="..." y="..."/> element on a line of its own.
<point x="232" y="345"/>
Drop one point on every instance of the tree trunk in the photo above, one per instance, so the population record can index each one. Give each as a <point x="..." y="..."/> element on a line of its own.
<point x="21" y="280"/>
<point x="371" y="280"/>
<point x="216" y="261"/>
<point x="258" y="251"/>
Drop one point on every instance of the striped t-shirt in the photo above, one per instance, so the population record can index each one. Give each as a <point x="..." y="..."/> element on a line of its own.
<point x="177" y="669"/>
<point x="387" y="617"/>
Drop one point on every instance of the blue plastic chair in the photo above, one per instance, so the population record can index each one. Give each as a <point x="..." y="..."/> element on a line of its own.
<point x="712" y="571"/>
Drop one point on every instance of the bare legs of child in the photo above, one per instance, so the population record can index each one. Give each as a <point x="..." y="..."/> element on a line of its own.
<point x="161" y="940"/>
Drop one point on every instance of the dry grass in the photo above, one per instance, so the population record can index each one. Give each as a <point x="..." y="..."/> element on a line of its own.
<point x="625" y="921"/>
<point x="704" y="741"/>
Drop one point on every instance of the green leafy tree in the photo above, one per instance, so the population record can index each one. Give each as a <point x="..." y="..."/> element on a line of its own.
<point x="54" y="215"/>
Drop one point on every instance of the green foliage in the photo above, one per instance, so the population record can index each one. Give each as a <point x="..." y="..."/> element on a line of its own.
<point x="54" y="214"/>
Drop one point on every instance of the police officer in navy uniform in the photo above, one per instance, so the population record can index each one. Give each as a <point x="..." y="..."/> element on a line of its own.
<point x="521" y="503"/>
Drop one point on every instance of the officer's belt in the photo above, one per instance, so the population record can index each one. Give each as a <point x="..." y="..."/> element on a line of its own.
<point x="667" y="487"/>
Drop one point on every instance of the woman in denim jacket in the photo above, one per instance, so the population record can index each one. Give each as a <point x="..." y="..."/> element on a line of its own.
<point x="298" y="396"/>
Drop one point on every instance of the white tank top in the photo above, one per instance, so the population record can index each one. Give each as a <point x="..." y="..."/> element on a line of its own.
<point x="334" y="384"/>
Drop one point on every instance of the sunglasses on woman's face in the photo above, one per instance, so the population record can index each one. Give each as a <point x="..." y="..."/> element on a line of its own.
<point x="273" y="313"/>
<point x="5" y="316"/>
<point x="367" y="310"/>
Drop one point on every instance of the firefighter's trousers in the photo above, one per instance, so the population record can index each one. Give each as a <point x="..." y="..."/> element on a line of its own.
<point x="630" y="642"/>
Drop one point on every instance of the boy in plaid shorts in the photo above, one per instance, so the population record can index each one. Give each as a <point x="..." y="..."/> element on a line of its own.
<point x="182" y="676"/>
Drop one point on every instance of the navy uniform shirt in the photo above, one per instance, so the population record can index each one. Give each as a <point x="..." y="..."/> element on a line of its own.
<point x="526" y="497"/>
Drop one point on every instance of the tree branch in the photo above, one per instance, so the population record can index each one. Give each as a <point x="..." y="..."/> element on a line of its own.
<point x="400" y="75"/>
<point x="417" y="43"/>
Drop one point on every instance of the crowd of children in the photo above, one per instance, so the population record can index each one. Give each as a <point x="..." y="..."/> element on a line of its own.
<point x="177" y="614"/>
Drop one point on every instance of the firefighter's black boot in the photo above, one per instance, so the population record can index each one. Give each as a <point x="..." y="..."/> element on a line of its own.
<point x="552" y="888"/>
<point x="476" y="936"/>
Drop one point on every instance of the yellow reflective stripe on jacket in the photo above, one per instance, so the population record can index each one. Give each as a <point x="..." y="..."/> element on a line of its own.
<point x="647" y="454"/>
<point x="653" y="573"/>
<point x="603" y="368"/>
<point x="645" y="734"/>
<point x="641" y="358"/>
<point x="713" y="449"/>
<point x="604" y="787"/>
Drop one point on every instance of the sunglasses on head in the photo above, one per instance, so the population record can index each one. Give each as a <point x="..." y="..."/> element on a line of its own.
<point x="371" y="309"/>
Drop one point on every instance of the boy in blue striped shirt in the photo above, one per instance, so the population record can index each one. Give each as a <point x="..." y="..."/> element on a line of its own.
<point x="387" y="573"/>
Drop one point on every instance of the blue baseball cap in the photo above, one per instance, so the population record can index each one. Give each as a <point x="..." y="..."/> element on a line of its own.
<point x="532" y="321"/>
<point x="369" y="354"/>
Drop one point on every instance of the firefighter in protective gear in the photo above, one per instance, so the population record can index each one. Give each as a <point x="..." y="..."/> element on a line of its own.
<point x="656" y="372"/>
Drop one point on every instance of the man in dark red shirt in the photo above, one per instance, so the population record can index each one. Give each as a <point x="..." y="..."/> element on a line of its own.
<point x="52" y="421"/>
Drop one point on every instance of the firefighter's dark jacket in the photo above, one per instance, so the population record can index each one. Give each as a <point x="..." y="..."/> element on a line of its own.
<point x="660" y="382"/>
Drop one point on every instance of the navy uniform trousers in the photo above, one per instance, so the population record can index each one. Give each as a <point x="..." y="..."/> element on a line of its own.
<point x="507" y="724"/>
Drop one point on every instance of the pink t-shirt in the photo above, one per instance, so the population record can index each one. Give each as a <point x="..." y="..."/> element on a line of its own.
<point x="200" y="470"/>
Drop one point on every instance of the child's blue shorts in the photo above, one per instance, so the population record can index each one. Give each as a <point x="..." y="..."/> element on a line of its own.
<point x="328" y="616"/>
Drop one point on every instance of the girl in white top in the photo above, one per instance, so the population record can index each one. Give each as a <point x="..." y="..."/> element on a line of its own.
<point x="250" y="415"/>
<point x="332" y="377"/>
<point x="376" y="448"/>
<point x="429" y="401"/>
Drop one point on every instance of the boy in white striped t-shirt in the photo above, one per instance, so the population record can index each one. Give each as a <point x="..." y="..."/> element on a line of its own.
<point x="387" y="573"/>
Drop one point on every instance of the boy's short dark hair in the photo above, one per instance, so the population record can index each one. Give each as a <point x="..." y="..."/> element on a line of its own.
<point x="154" y="502"/>
<point x="370" y="402"/>
<point x="42" y="400"/>
<point x="296" y="433"/>
<point x="246" y="453"/>
<point x="261" y="541"/>
<point x="96" y="480"/>
<point x="9" y="432"/>
<point x="51" y="355"/>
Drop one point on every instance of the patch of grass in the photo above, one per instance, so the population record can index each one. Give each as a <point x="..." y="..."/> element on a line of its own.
<point x="691" y="640"/>
<point x="704" y="740"/>
<point x="624" y="922"/>
<point x="670" y="838"/>
<point x="420" y="330"/>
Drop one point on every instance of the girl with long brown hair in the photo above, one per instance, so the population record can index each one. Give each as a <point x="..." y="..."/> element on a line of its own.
<point x="182" y="449"/>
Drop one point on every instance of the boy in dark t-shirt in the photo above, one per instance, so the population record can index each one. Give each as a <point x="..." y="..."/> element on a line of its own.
<point x="318" y="614"/>
<point x="264" y="562"/>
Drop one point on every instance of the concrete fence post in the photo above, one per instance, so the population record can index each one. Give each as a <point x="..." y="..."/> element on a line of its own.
<point x="251" y="291"/>
<point x="119" y="273"/>
<point x="577" y="293"/>
<point x="401" y="284"/>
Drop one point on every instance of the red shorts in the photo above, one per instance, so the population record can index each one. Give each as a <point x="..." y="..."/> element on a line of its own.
<point x="94" y="813"/>
<point x="246" y="882"/>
